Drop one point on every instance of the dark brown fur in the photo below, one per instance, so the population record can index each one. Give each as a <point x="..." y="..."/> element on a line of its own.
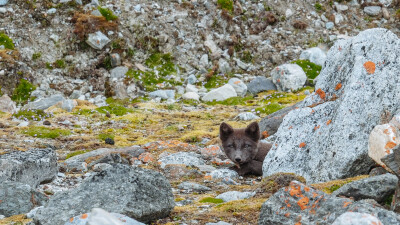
<point x="244" y="148"/>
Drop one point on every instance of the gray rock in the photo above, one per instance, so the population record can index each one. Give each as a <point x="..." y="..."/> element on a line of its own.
<point x="247" y="116"/>
<point x="235" y="195"/>
<point x="135" y="192"/>
<point x="378" y="188"/>
<point x="101" y="217"/>
<point x="272" y="122"/>
<point x="7" y="105"/>
<point x="44" y="103"/>
<point x="204" y="61"/>
<point x="305" y="205"/>
<point x="340" y="7"/>
<point x="224" y="66"/>
<point x="330" y="130"/>
<point x="314" y="55"/>
<point x="191" y="88"/>
<point x="193" y="187"/>
<point x="288" y="77"/>
<point x="191" y="96"/>
<point x="119" y="72"/>
<point x="18" y="198"/>
<point x="185" y="158"/>
<point x="219" y="223"/>
<point x="68" y="105"/>
<point x="97" y="40"/>
<point x="32" y="213"/>
<point x="75" y="94"/>
<point x="239" y="86"/>
<point x="329" y="25"/>
<point x="220" y="94"/>
<point x="354" y="218"/>
<point x="3" y="2"/>
<point x="372" y="10"/>
<point x="30" y="167"/>
<point x="115" y="59"/>
<point x="224" y="173"/>
<point x="163" y="94"/>
<point x="191" y="79"/>
<point x="260" y="84"/>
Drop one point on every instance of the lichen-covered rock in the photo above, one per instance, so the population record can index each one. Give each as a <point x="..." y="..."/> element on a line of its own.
<point x="302" y="204"/>
<point x="97" y="40"/>
<point x="119" y="72"/>
<point x="220" y="94"/>
<point x="101" y="217"/>
<point x="141" y="194"/>
<point x="30" y="167"/>
<point x="190" y="186"/>
<point x="288" y="77"/>
<point x="18" y="198"/>
<point x="186" y="158"/>
<point x="327" y="137"/>
<point x="353" y="218"/>
<point x="239" y="86"/>
<point x="224" y="173"/>
<point x="378" y="188"/>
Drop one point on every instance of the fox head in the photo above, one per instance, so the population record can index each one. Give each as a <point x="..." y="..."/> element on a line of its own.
<point x="240" y="145"/>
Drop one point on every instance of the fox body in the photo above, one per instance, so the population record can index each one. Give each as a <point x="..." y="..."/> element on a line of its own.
<point x="244" y="148"/>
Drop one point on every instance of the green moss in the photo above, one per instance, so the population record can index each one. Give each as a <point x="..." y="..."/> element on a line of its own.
<point x="49" y="66"/>
<point x="84" y="112"/>
<point x="117" y="110"/>
<point x="107" y="13"/>
<point x="162" y="62"/>
<point x="44" y="132"/>
<point x="23" y="91"/>
<point x="226" y="4"/>
<point x="232" y="101"/>
<point x="72" y="154"/>
<point x="335" y="187"/>
<point x="217" y="80"/>
<point x="104" y="136"/>
<point x="247" y="57"/>
<point x="319" y="7"/>
<point x="269" y="109"/>
<point x="388" y="201"/>
<point x="312" y="70"/>
<point x="211" y="200"/>
<point x="60" y="63"/>
<point x="6" y="41"/>
<point x="31" y="115"/>
<point x="130" y="52"/>
<point x="36" y="55"/>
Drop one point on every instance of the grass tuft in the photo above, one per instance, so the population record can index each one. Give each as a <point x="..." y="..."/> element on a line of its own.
<point x="44" y="132"/>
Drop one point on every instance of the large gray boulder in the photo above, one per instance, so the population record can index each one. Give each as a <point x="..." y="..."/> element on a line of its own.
<point x="327" y="137"/>
<point x="30" y="167"/>
<point x="271" y="123"/>
<point x="220" y="94"/>
<point x="44" y="103"/>
<point x="378" y="188"/>
<point x="260" y="84"/>
<point x="138" y="193"/>
<point x="302" y="204"/>
<point x="288" y="77"/>
<point x="101" y="217"/>
<point x="18" y="198"/>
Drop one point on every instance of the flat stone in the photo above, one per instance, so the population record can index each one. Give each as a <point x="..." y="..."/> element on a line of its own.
<point x="7" y="105"/>
<point x="44" y="103"/>
<point x="97" y="40"/>
<point x="101" y="217"/>
<point x="3" y="2"/>
<point x="372" y="10"/>
<point x="260" y="84"/>
<point x="354" y="218"/>
<point x="220" y="94"/>
<point x="119" y="72"/>
<point x="247" y="116"/>
<point x="235" y="195"/>
<point x="224" y="173"/>
<point x="191" y="96"/>
<point x="193" y="187"/>
<point x="163" y="94"/>
<point x="185" y="158"/>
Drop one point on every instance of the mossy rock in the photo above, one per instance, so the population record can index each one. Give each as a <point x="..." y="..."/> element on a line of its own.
<point x="6" y="41"/>
<point x="44" y="132"/>
<point x="30" y="114"/>
<point x="273" y="183"/>
<point x="23" y="91"/>
<point x="312" y="70"/>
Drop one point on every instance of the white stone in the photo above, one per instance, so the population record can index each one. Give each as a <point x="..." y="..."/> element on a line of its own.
<point x="288" y="13"/>
<point x="239" y="86"/>
<point x="224" y="66"/>
<point x="51" y="11"/>
<point x="314" y="55"/>
<point x="119" y="72"/>
<point x="204" y="61"/>
<point x="191" y="88"/>
<point x="247" y="116"/>
<point x="356" y="218"/>
<point x="97" y="40"/>
<point x="191" y="96"/>
<point x="288" y="77"/>
<point x="220" y="94"/>
<point x="235" y="195"/>
<point x="339" y="18"/>
<point x="340" y="7"/>
<point x="386" y="3"/>
<point x="372" y="10"/>
<point x="7" y="105"/>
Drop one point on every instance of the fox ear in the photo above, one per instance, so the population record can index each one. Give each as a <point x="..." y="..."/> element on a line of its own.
<point x="225" y="130"/>
<point x="253" y="131"/>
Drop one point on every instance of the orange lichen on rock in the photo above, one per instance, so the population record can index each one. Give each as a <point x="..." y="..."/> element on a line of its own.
<point x="370" y="67"/>
<point x="306" y="189"/>
<point x="390" y="145"/>
<point x="328" y="122"/>
<point x="338" y="86"/>
<point x="287" y="214"/>
<point x="71" y="219"/>
<point x="237" y="82"/>
<point x="303" y="202"/>
<point x="146" y="157"/>
<point x="317" y="127"/>
<point x="84" y="216"/>
<point x="295" y="189"/>
<point x="346" y="204"/>
<point x="321" y="93"/>
<point x="265" y="134"/>
<point x="302" y="145"/>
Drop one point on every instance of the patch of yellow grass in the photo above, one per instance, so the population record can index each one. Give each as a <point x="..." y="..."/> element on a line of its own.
<point x="328" y="186"/>
<point x="17" y="219"/>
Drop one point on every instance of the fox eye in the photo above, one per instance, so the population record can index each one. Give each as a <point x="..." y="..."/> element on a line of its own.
<point x="247" y="146"/>
<point x="230" y="146"/>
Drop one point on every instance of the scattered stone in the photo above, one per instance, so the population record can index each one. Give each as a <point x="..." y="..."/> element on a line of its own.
<point x="29" y="167"/>
<point x="288" y="77"/>
<point x="329" y="25"/>
<point x="247" y="116"/>
<point x="186" y="158"/>
<point x="97" y="40"/>
<point x="235" y="195"/>
<point x="46" y="123"/>
<point x="177" y="171"/>
<point x="372" y="10"/>
<point x="327" y="122"/>
<point x="109" y="141"/>
<point x="219" y="223"/>
<point x="7" y="105"/>
<point x="44" y="103"/>
<point x="354" y="218"/>
<point x="119" y="72"/>
<point x="101" y="217"/>
<point x="163" y="94"/>
<point x="385" y="13"/>
<point x="303" y="204"/>
<point x="191" y="88"/>
<point x="220" y="94"/>
<point x="68" y="105"/>
<point x="378" y="188"/>
<point x="138" y="193"/>
<point x="260" y="84"/>
<point x="314" y="55"/>
<point x="222" y="173"/>
<point x="223" y="66"/>
<point x="191" y="79"/>
<point x="239" y="86"/>
<point x="191" y="96"/>
<point x="193" y="187"/>
<point x="3" y="2"/>
<point x="18" y="198"/>
<point x="340" y="7"/>
<point x="115" y="59"/>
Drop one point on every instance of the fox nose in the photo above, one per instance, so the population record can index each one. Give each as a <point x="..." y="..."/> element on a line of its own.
<point x="238" y="160"/>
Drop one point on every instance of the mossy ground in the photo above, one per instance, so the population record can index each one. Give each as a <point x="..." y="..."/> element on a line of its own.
<point x="312" y="70"/>
<point x="6" y="41"/>
<point x="31" y="115"/>
<point x="22" y="93"/>
<point x="45" y="132"/>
